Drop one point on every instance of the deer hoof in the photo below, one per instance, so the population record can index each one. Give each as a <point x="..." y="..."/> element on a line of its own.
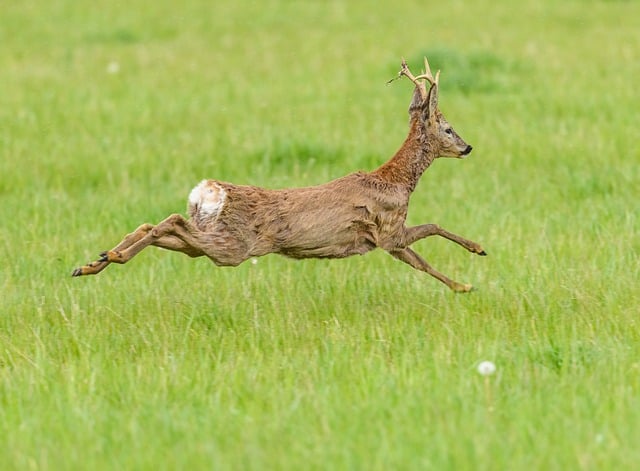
<point x="77" y="272"/>
<point x="483" y="253"/>
<point x="462" y="288"/>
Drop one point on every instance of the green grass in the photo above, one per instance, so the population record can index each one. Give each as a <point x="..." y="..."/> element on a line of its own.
<point x="173" y="363"/>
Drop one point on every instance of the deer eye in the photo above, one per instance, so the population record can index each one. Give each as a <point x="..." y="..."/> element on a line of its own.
<point x="449" y="131"/>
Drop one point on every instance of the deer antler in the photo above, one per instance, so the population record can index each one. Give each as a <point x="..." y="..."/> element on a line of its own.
<point x="428" y="76"/>
<point x="404" y="70"/>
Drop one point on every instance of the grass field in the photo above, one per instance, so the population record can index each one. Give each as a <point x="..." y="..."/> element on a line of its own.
<point x="110" y="112"/>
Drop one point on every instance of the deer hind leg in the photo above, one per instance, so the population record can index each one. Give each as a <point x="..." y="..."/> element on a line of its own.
<point x="170" y="234"/>
<point x="416" y="233"/>
<point x="174" y="233"/>
<point x="93" y="268"/>
<point x="416" y="261"/>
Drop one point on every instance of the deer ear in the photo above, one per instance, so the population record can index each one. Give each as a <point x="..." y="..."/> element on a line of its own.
<point x="416" y="101"/>
<point x="431" y="103"/>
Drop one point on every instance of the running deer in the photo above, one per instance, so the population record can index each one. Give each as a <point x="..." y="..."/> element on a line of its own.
<point x="349" y="216"/>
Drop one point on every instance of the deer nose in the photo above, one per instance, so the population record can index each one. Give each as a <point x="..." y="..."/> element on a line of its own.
<point x="467" y="150"/>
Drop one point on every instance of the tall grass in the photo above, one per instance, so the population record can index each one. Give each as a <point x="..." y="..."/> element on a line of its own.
<point x="110" y="113"/>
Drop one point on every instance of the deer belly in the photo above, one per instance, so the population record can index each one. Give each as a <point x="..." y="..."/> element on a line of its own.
<point x="328" y="241"/>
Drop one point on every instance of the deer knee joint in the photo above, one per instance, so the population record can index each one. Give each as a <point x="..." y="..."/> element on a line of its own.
<point x="176" y="219"/>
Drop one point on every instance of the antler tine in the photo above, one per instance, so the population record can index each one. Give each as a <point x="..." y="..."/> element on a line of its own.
<point x="428" y="75"/>
<point x="404" y="70"/>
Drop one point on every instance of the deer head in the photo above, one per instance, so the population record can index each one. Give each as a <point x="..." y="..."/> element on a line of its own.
<point x="424" y="108"/>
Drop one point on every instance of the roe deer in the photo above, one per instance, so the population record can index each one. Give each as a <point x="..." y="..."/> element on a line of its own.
<point x="351" y="215"/>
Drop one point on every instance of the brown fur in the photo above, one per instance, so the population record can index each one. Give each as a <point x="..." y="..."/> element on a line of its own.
<point x="347" y="216"/>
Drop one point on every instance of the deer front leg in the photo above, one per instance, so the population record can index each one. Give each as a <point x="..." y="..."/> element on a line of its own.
<point x="416" y="261"/>
<point x="416" y="233"/>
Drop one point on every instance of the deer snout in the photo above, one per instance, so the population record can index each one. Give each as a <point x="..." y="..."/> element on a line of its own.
<point x="467" y="151"/>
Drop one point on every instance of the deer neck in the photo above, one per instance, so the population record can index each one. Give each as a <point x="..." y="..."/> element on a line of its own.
<point x="410" y="161"/>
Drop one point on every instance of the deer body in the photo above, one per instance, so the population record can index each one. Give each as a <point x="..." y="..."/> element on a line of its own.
<point x="344" y="217"/>
<point x="348" y="216"/>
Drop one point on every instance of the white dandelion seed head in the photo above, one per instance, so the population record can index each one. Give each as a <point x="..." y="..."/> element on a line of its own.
<point x="113" y="68"/>
<point x="254" y="261"/>
<point x="486" y="368"/>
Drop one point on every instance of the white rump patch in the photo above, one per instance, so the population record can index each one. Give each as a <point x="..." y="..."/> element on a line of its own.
<point x="206" y="199"/>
